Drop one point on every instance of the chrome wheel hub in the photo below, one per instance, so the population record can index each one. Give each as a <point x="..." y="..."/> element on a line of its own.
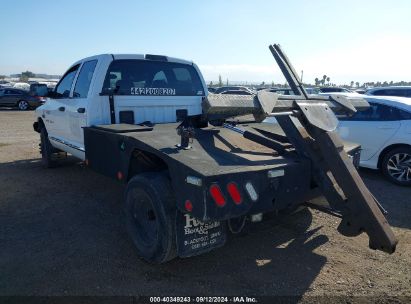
<point x="23" y="105"/>
<point x="399" y="167"/>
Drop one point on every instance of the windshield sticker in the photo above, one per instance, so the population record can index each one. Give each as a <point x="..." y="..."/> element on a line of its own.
<point x="153" y="91"/>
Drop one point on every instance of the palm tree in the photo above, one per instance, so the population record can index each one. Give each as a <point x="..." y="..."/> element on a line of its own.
<point x="352" y="83"/>
<point x="220" y="81"/>
<point x="323" y="80"/>
<point x="328" y="80"/>
<point x="316" y="81"/>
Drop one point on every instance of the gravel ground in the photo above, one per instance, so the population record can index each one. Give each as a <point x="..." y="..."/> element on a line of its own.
<point x="62" y="233"/>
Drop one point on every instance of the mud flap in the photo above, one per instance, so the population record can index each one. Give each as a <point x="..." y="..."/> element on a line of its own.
<point x="195" y="237"/>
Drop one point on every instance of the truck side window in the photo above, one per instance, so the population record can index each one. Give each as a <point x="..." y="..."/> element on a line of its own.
<point x="84" y="79"/>
<point x="151" y="78"/>
<point x="64" y="86"/>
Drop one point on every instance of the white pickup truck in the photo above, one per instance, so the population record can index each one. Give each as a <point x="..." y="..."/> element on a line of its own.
<point x="191" y="172"/>
<point x="147" y="88"/>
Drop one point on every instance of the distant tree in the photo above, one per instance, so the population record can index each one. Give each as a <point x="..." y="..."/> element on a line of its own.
<point x="272" y="83"/>
<point x="24" y="77"/>
<point x="357" y="84"/>
<point x="227" y="82"/>
<point x="328" y="80"/>
<point x="391" y="83"/>
<point x="2" y="76"/>
<point x="27" y="74"/>
<point x="220" y="81"/>
<point x="262" y="84"/>
<point x="211" y="84"/>
<point x="323" y="80"/>
<point x="317" y="81"/>
<point x="352" y="83"/>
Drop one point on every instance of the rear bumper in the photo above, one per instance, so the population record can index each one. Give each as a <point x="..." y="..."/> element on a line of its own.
<point x="279" y="188"/>
<point x="35" y="103"/>
<point x="276" y="188"/>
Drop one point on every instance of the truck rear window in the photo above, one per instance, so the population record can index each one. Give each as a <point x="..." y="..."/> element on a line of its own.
<point x="152" y="78"/>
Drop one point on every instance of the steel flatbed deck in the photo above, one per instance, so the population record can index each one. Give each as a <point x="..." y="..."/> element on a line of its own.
<point x="214" y="151"/>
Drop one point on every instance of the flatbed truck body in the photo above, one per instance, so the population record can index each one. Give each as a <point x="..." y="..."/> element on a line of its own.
<point x="197" y="166"/>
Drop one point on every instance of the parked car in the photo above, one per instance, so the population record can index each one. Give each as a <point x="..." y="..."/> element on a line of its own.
<point x="39" y="91"/>
<point x="360" y="91"/>
<point x="289" y="91"/>
<point x="401" y="91"/>
<point x="384" y="132"/>
<point x="227" y="88"/>
<point x="334" y="90"/>
<point x="5" y="85"/>
<point x="237" y="92"/>
<point x="312" y="90"/>
<point x="282" y="91"/>
<point x="11" y="97"/>
<point x="22" y="86"/>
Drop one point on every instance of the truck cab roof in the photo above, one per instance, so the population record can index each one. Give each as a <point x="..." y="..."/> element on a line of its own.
<point x="136" y="57"/>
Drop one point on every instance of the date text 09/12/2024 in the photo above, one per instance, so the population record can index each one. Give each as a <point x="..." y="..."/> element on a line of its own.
<point x="205" y="299"/>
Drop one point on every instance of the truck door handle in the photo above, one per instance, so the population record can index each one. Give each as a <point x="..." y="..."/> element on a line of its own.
<point x="81" y="110"/>
<point x="62" y="109"/>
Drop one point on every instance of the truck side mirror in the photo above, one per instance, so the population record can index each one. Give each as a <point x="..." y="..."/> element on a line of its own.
<point x="52" y="94"/>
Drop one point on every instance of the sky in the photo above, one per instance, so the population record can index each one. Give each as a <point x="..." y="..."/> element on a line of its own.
<point x="346" y="40"/>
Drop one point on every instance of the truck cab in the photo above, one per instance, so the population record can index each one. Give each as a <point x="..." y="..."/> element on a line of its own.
<point x="146" y="88"/>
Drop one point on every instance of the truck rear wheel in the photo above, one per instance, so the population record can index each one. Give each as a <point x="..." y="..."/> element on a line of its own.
<point x="150" y="216"/>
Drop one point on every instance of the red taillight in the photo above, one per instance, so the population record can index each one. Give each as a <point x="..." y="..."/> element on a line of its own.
<point x="119" y="175"/>
<point x="234" y="193"/>
<point x="188" y="205"/>
<point x="217" y="195"/>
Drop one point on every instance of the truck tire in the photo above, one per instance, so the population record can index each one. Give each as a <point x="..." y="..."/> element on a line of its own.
<point x="150" y="216"/>
<point x="46" y="150"/>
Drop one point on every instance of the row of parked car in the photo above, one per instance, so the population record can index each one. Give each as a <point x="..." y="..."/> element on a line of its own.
<point x="400" y="91"/>
<point x="24" y="99"/>
<point x="384" y="130"/>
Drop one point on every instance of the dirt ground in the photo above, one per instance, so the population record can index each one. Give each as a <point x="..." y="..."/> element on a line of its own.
<point x="62" y="233"/>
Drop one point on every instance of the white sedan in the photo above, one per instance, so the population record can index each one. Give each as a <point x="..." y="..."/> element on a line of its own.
<point x="384" y="132"/>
